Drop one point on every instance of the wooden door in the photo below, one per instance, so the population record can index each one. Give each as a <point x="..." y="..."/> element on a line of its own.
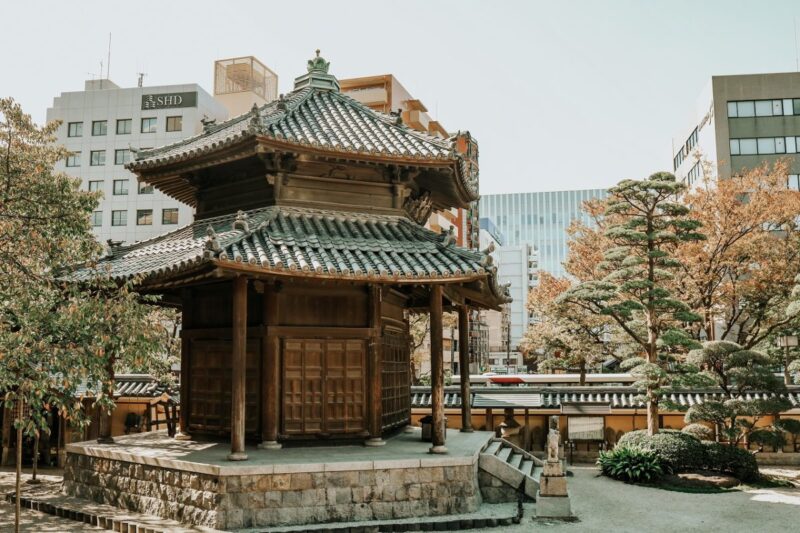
<point x="211" y="383"/>
<point x="323" y="386"/>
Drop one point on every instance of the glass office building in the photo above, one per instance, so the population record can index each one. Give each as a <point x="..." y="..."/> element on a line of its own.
<point x="539" y="219"/>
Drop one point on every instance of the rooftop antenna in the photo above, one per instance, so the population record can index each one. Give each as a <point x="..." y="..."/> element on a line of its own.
<point x="796" y="53"/>
<point x="141" y="78"/>
<point x="108" y="64"/>
<point x="101" y="74"/>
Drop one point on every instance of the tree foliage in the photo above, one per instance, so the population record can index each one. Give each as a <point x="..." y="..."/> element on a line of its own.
<point x="57" y="336"/>
<point x="564" y="336"/>
<point x="643" y="225"/>
<point x="738" y="372"/>
<point x="739" y="278"/>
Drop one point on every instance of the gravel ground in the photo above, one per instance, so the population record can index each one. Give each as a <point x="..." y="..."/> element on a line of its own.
<point x="34" y="520"/>
<point x="605" y="505"/>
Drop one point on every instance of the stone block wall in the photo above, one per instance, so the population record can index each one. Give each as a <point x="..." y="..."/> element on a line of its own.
<point x="495" y="490"/>
<point x="287" y="498"/>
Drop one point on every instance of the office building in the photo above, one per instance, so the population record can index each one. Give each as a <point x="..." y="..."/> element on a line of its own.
<point x="517" y="267"/>
<point x="740" y="122"/>
<point x="101" y="127"/>
<point x="539" y="220"/>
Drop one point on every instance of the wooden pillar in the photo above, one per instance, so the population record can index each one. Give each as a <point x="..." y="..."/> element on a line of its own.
<point x="271" y="372"/>
<point x="437" y="371"/>
<point x="186" y="370"/>
<point x="375" y="369"/>
<point x="7" y="423"/>
<point x="463" y="366"/>
<point x="238" y="368"/>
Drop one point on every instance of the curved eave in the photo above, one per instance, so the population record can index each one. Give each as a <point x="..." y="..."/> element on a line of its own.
<point x="164" y="174"/>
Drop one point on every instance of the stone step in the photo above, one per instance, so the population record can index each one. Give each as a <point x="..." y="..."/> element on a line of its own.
<point x="504" y="453"/>
<point x="527" y="467"/>
<point x="488" y="516"/>
<point x="104" y="516"/>
<point x="493" y="447"/>
<point x="516" y="461"/>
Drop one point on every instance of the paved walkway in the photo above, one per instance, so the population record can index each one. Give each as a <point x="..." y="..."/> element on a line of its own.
<point x="604" y="505"/>
<point x="34" y="520"/>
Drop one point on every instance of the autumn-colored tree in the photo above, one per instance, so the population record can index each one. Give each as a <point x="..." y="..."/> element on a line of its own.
<point x="55" y="335"/>
<point x="564" y="335"/>
<point x="739" y="278"/>
<point x="644" y="225"/>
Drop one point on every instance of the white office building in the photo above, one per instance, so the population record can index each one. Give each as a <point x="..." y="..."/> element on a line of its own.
<point x="102" y="126"/>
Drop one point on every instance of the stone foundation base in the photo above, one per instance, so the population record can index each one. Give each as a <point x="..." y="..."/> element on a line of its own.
<point x="292" y="494"/>
<point x="495" y="490"/>
<point x="553" y="506"/>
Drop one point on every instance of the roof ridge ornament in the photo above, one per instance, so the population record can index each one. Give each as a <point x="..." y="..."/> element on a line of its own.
<point x="449" y="237"/>
<point x="317" y="76"/>
<point x="255" y="120"/>
<point x="242" y="222"/>
<point x="212" y="245"/>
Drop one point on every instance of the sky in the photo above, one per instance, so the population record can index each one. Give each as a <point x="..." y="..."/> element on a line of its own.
<point x="560" y="94"/>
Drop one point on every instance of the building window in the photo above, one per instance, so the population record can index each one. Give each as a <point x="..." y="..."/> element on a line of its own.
<point x="119" y="218"/>
<point x="98" y="158"/>
<point x="764" y="108"/>
<point x="145" y="188"/>
<point x="169" y="216"/>
<point x="97" y="219"/>
<point x="75" y="129"/>
<point x="765" y="146"/>
<point x="149" y="125"/>
<point x="120" y="187"/>
<point x="144" y="217"/>
<point x="95" y="186"/>
<point x="175" y="123"/>
<point x="122" y="156"/>
<point x="99" y="127"/>
<point x="74" y="159"/>
<point x="124" y="126"/>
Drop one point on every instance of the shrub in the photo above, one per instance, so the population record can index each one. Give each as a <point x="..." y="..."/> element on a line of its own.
<point x="699" y="431"/>
<point x="677" y="451"/>
<point x="732" y="460"/>
<point x="773" y="437"/>
<point x="632" y="465"/>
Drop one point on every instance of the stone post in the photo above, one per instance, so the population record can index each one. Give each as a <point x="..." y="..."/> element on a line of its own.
<point x="552" y="499"/>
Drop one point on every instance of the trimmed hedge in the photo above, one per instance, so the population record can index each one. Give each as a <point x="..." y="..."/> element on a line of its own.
<point x="738" y="462"/>
<point x="678" y="451"/>
<point x="681" y="451"/>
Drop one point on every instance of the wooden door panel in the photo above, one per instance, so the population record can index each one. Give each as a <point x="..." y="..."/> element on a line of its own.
<point x="323" y="386"/>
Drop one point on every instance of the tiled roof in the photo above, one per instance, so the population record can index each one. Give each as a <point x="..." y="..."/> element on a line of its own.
<point x="554" y="398"/>
<point x="137" y="386"/>
<point x="323" y="119"/>
<point x="310" y="242"/>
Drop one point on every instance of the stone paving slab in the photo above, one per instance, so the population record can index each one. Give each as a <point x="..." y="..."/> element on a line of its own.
<point x="403" y="450"/>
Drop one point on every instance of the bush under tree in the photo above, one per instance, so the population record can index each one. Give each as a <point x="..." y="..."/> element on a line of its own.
<point x="632" y="465"/>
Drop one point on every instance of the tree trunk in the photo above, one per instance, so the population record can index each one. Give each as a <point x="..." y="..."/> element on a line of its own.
<point x="652" y="412"/>
<point x="18" y="488"/>
<point x="787" y="376"/>
<point x="583" y="372"/>
<point x="35" y="458"/>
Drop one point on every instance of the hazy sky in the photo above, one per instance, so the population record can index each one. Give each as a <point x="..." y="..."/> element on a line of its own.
<point x="560" y="94"/>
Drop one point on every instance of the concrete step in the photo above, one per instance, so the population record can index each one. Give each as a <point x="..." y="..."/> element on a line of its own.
<point x="493" y="447"/>
<point x="516" y="461"/>
<point x="504" y="453"/>
<point x="527" y="467"/>
<point x="104" y="516"/>
<point x="489" y="515"/>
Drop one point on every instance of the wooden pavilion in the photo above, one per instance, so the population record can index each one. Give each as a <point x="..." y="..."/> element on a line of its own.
<point x="307" y="251"/>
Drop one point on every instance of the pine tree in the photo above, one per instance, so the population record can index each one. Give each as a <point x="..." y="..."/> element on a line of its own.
<point x="645" y="223"/>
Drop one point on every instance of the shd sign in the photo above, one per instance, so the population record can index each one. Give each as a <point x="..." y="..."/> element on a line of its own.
<point x="169" y="100"/>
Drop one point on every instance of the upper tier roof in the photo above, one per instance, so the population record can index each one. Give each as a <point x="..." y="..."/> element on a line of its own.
<point x="317" y="117"/>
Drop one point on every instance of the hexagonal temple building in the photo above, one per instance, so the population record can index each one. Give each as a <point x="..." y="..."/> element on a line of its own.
<point x="295" y="279"/>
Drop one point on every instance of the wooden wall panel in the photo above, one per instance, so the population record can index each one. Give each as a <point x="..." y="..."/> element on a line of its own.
<point x="396" y="379"/>
<point x="322" y="306"/>
<point x="210" y="384"/>
<point x="323" y="386"/>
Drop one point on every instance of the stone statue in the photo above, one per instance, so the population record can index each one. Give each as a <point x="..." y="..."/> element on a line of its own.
<point x="553" y="439"/>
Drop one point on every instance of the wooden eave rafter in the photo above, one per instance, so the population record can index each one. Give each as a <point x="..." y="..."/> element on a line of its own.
<point x="168" y="177"/>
